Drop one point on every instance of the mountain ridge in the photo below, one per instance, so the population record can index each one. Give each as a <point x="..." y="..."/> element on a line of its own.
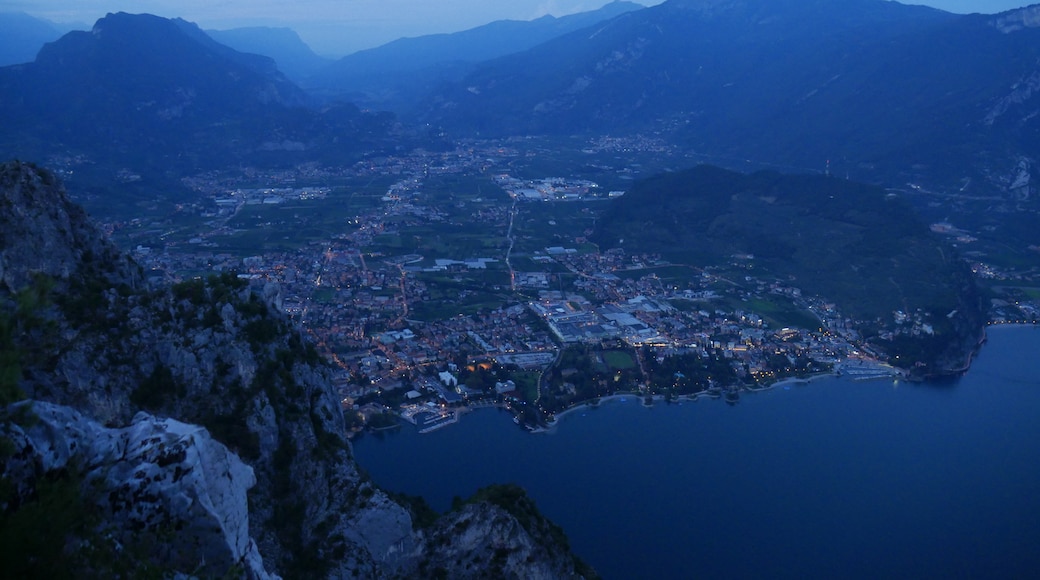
<point x="394" y="75"/>
<point x="160" y="96"/>
<point x="283" y="45"/>
<point x="887" y="92"/>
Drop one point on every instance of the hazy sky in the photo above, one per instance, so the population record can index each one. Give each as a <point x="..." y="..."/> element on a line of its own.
<point x="337" y="27"/>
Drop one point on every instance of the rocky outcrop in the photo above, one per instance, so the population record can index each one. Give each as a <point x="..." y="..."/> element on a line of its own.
<point x="1015" y="20"/>
<point x="213" y="353"/>
<point x="159" y="484"/>
<point x="501" y="535"/>
<point x="38" y="235"/>
<point x="1020" y="93"/>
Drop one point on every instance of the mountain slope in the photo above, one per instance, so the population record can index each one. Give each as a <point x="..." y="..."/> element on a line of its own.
<point x="22" y="36"/>
<point x="851" y="244"/>
<point x="79" y="330"/>
<point x="283" y="45"/>
<point x="159" y="95"/>
<point x="396" y="75"/>
<point x="882" y="90"/>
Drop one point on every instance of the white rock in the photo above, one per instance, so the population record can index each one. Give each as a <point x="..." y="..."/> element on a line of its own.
<point x="153" y="472"/>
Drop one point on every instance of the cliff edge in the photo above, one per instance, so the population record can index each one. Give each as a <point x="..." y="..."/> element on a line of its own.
<point x="203" y="378"/>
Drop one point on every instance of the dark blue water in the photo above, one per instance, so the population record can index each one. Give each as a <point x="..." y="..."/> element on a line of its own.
<point x="833" y="479"/>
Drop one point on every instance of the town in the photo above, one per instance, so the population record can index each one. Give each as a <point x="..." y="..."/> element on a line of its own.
<point x="436" y="282"/>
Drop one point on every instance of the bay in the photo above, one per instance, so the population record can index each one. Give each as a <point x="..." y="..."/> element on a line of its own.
<point x="833" y="478"/>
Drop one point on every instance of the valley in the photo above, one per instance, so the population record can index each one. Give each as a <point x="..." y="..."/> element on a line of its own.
<point x="479" y="261"/>
<point x="695" y="199"/>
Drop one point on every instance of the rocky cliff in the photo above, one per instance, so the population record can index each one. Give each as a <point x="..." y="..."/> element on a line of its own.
<point x="216" y="368"/>
<point x="161" y="477"/>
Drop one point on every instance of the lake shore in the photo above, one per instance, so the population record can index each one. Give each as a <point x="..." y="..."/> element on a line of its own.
<point x="592" y="404"/>
<point x="582" y="406"/>
<point x="798" y="380"/>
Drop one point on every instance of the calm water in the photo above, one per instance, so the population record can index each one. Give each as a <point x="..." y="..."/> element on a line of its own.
<point x="833" y="479"/>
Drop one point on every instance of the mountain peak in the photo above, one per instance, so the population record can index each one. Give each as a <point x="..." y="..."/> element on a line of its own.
<point x="146" y="90"/>
<point x="168" y="40"/>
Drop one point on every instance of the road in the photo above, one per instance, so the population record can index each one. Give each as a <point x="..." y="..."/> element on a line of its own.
<point x="512" y="241"/>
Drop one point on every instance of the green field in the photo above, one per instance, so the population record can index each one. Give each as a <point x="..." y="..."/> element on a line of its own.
<point x="324" y="295"/>
<point x="781" y="313"/>
<point x="526" y="384"/>
<point x="467" y="295"/>
<point x="619" y="360"/>
<point x="542" y="225"/>
<point x="443" y="189"/>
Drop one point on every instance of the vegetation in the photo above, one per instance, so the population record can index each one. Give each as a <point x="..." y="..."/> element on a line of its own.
<point x="584" y="373"/>
<point x="18" y="320"/>
<point x="383" y="420"/>
<point x="160" y="387"/>
<point x="689" y="373"/>
<point x="423" y="516"/>
<point x="850" y="243"/>
<point x="514" y="500"/>
<point x="58" y="532"/>
<point x="10" y="363"/>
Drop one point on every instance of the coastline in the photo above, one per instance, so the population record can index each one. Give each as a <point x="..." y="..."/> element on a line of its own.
<point x="636" y="397"/>
<point x="658" y="398"/>
<point x="895" y="373"/>
<point x="580" y="406"/>
<point x="798" y="380"/>
<point x="970" y="355"/>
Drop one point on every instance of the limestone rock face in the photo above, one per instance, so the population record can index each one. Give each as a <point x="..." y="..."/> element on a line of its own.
<point x="1015" y="20"/>
<point x="41" y="232"/>
<point x="385" y="529"/>
<point x="483" y="538"/>
<point x="149" y="478"/>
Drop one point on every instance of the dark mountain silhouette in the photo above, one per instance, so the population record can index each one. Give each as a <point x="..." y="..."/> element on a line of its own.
<point x="394" y="76"/>
<point x="283" y="45"/>
<point x="883" y="90"/>
<point x="150" y="93"/>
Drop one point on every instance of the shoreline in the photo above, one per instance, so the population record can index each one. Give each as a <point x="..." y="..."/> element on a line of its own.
<point x="798" y="380"/>
<point x="693" y="397"/>
<point x="583" y="405"/>
<point x="896" y="374"/>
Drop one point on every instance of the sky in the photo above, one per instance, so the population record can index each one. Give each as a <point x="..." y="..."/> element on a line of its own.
<point x="339" y="27"/>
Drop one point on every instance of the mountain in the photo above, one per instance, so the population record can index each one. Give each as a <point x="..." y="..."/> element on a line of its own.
<point x="283" y="45"/>
<point x="886" y="92"/>
<point x="394" y="76"/>
<point x="22" y="36"/>
<point x="159" y="96"/>
<point x="854" y="245"/>
<point x="192" y="430"/>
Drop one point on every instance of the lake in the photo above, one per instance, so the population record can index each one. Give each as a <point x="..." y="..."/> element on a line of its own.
<point x="835" y="478"/>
